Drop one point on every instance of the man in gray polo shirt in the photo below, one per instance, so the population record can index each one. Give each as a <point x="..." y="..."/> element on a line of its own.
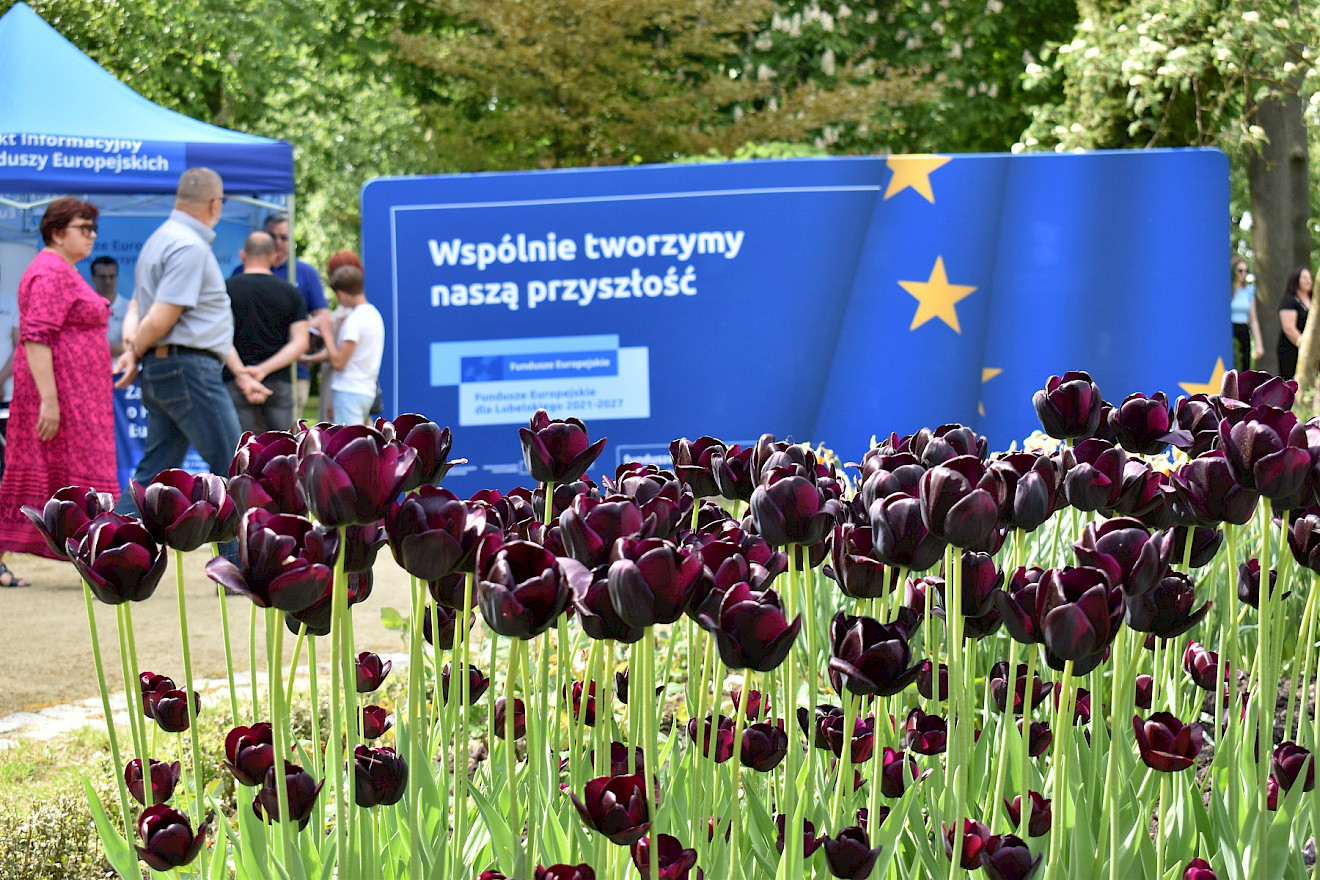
<point x="185" y="337"/>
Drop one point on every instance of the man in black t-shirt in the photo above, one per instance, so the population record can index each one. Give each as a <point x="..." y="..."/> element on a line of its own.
<point x="270" y="331"/>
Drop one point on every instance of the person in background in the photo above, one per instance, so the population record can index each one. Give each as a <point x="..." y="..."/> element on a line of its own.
<point x="270" y="332"/>
<point x="316" y="352"/>
<point x="307" y="282"/>
<point x="355" y="350"/>
<point x="1293" y="309"/>
<point x="1247" y="343"/>
<point x="105" y="281"/>
<point x="62" y="420"/>
<point x="8" y="347"/>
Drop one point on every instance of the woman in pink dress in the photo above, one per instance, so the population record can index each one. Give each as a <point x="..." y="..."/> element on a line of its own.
<point x="61" y="421"/>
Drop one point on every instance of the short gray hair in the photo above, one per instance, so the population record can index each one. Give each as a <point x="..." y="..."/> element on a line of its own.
<point x="198" y="186"/>
<point x="275" y="220"/>
<point x="259" y="245"/>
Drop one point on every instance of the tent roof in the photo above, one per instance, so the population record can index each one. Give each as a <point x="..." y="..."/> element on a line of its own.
<point x="98" y="135"/>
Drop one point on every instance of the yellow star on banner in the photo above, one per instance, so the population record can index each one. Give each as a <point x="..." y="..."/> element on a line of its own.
<point x="987" y="373"/>
<point x="937" y="297"/>
<point x="1211" y="387"/>
<point x="913" y="171"/>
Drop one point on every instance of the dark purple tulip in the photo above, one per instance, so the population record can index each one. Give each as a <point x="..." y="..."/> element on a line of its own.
<point x="249" y="753"/>
<point x="968" y="849"/>
<point x="751" y="631"/>
<point x="1272" y="794"/>
<point x="1248" y="583"/>
<point x="1095" y="481"/>
<point x="590" y="527"/>
<point x="361" y="543"/>
<point x="1199" y="869"/>
<point x="1079" y="615"/>
<point x="672" y="860"/>
<point x="185" y="511"/>
<point x="1304" y="541"/>
<point x="168" y="841"/>
<point x="1267" y="451"/>
<point x="492" y="874"/>
<point x="1199" y="419"/>
<point x="371" y="671"/>
<point x="153" y="686"/>
<point x="478" y="683"/>
<point x="525" y="588"/>
<point x="171" y="710"/>
<point x="1032" y="489"/>
<point x="264" y="474"/>
<point x="352" y="474"/>
<point x="869" y="658"/>
<point x="519" y="718"/>
<point x="117" y="558"/>
<point x="437" y="620"/>
<point x="66" y="513"/>
<point x="316" y="617"/>
<point x="810" y="842"/>
<point x="303" y="790"/>
<point x="830" y="734"/>
<point x="589" y="716"/>
<point x="856" y="570"/>
<point x="849" y="855"/>
<point x="1165" y="743"/>
<point x="758" y="704"/>
<point x="949" y="441"/>
<point x="657" y="493"/>
<point x="713" y="737"/>
<point x="376" y="721"/>
<point x="1258" y="388"/>
<point x="1017" y="605"/>
<point x="764" y="746"/>
<point x="1069" y="406"/>
<point x="430" y="441"/>
<point x="1207" y="494"/>
<point x="1205" y="544"/>
<point x="284" y="561"/>
<point x="960" y="501"/>
<point x="693" y="464"/>
<point x="1127" y="553"/>
<point x="1145" y="692"/>
<point x="616" y="807"/>
<point x="557" y="450"/>
<point x="381" y="777"/>
<point x="1145" y="426"/>
<point x="651" y="580"/>
<point x="428" y="534"/>
<point x="163" y="779"/>
<point x="980" y="581"/>
<point x="883" y="475"/>
<point x="1287" y="764"/>
<point x="733" y="474"/>
<point x="1167" y="610"/>
<point x="1040" y="815"/>
<point x="1006" y="857"/>
<point x="925" y="734"/>
<point x="899" y="534"/>
<point x="897" y="770"/>
<point x="926" y="681"/>
<point x="1200" y="665"/>
<point x="788" y="508"/>
<point x="1039" y="737"/>
<point x="569" y="872"/>
<point x="1145" y="493"/>
<point x="999" y="684"/>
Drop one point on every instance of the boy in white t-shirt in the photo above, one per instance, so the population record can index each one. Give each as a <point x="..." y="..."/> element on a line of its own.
<point x="355" y="351"/>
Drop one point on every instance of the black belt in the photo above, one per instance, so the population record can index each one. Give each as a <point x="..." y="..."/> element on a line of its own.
<point x="164" y="351"/>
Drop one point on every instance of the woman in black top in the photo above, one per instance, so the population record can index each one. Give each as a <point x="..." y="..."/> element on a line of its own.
<point x="1293" y="308"/>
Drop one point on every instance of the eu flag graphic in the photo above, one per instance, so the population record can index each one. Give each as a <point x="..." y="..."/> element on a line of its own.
<point x="827" y="300"/>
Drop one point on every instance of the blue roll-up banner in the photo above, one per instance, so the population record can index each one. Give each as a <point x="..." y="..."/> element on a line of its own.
<point x="822" y="300"/>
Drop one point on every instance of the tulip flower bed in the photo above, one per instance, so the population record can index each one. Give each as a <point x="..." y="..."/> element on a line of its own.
<point x="1062" y="662"/>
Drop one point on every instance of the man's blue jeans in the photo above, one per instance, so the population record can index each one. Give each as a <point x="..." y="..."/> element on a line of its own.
<point x="187" y="404"/>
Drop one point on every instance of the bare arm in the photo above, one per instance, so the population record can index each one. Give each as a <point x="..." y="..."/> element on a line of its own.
<point x="252" y="389"/>
<point x="1258" y="342"/>
<point x="297" y="344"/>
<point x="1288" y="323"/>
<point x="146" y="333"/>
<point x="42" y="365"/>
<point x="338" y="355"/>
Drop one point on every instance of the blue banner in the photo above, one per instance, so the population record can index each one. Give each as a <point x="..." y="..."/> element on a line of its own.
<point x="822" y="300"/>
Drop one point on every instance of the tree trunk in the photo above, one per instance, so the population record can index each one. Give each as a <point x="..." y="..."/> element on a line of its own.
<point x="1277" y="175"/>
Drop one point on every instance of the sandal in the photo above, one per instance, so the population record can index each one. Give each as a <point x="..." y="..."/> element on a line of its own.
<point x="9" y="579"/>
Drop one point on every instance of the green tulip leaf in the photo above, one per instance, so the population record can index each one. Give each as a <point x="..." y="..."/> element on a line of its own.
<point x="494" y="818"/>
<point x="118" y="852"/>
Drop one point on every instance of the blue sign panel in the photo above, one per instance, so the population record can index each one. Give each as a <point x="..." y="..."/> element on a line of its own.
<point x="823" y="300"/>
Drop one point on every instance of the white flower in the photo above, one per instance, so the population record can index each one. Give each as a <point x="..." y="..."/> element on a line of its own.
<point x="1251" y="17"/>
<point x="827" y="63"/>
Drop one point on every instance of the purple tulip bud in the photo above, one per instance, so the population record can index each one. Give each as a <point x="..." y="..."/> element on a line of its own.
<point x="1200" y="665"/>
<point x="1145" y="692"/>
<point x="371" y="671"/>
<point x="1165" y="743"/>
<point x="751" y="631"/>
<point x="519" y="718"/>
<point x="302" y="791"/>
<point x="960" y="501"/>
<point x="764" y="746"/>
<point x="1040" y="815"/>
<point x="925" y="734"/>
<point x="849" y="855"/>
<point x="693" y="464"/>
<point x="999" y="684"/>
<point x="1126" y="552"/>
<point x="571" y="872"/>
<point x="1017" y="605"/>
<point x="616" y="807"/>
<point x="264" y="474"/>
<point x="1145" y="425"/>
<point x="430" y="441"/>
<point x="896" y="771"/>
<point x="591" y="526"/>
<point x="67" y="512"/>
<point x="926" y="681"/>
<point x="352" y="474"/>
<point x="758" y="703"/>
<point x="185" y="511"/>
<point x="249" y="753"/>
<point x="1166" y="610"/>
<point x="117" y="558"/>
<point x="810" y="842"/>
<point x="1006" y="857"/>
<point x="789" y="508"/>
<point x="381" y="777"/>
<point x="171" y="710"/>
<point x="429" y="535"/>
<point x="1288" y="764"/>
<point x="316" y="617"/>
<point x="1079" y="613"/>
<point x="1039" y="738"/>
<point x="440" y="624"/>
<point x="1032" y="489"/>
<point x="589" y="717"/>
<point x="1266" y="451"/>
<point x="968" y="848"/>
<point x="525" y="588"/>
<point x="595" y="612"/>
<point x="1069" y="406"/>
<point x="1095" y="481"/>
<point x="478" y="683"/>
<point x="557" y="450"/>
<point x="1199" y="869"/>
<point x="869" y="658"/>
<point x="164" y="777"/>
<point x="715" y="744"/>
<point x="1304" y="541"/>
<point x="1248" y="584"/>
<point x="672" y="860"/>
<point x="152" y="687"/>
<point x="900" y="536"/>
<point x="855" y="568"/>
<point x="168" y="841"/>
<point x="376" y="721"/>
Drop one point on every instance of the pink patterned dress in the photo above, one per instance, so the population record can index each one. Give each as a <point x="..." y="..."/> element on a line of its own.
<point x="58" y="308"/>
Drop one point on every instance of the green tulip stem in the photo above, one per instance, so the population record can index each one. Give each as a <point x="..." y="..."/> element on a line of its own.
<point x="1228" y="653"/>
<point x="788" y="704"/>
<point x="735" y="804"/>
<point x="252" y="662"/>
<point x="896" y="592"/>
<point x="278" y="725"/>
<point x="1063" y="726"/>
<point x="579" y="733"/>
<point x="668" y="668"/>
<point x="1161" y="820"/>
<point x="1267" y="685"/>
<point x="651" y="752"/>
<point x="1024" y="787"/>
<point x="316" y="752"/>
<point x="229" y="653"/>
<point x="1120" y="697"/>
<point x="549" y="503"/>
<point x="929" y="645"/>
<point x="133" y="705"/>
<point x="293" y="664"/>
<point x="198" y="793"/>
<point x="538" y="742"/>
<point x="603" y="672"/>
<point x="1006" y="719"/>
<point x="511" y="755"/>
<point x="339" y="682"/>
<point x="698" y="684"/>
<point x="353" y="729"/>
<point x="844" y="779"/>
<point x="132" y="685"/>
<point x="1308" y="653"/>
<point x="957" y="755"/>
<point x="460" y="691"/>
<point x="415" y="673"/>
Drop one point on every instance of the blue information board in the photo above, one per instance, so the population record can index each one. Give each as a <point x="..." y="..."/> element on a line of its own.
<point x="827" y="300"/>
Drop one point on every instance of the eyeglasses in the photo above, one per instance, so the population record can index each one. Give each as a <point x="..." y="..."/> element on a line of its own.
<point x="89" y="228"/>
<point x="1242" y="270"/>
